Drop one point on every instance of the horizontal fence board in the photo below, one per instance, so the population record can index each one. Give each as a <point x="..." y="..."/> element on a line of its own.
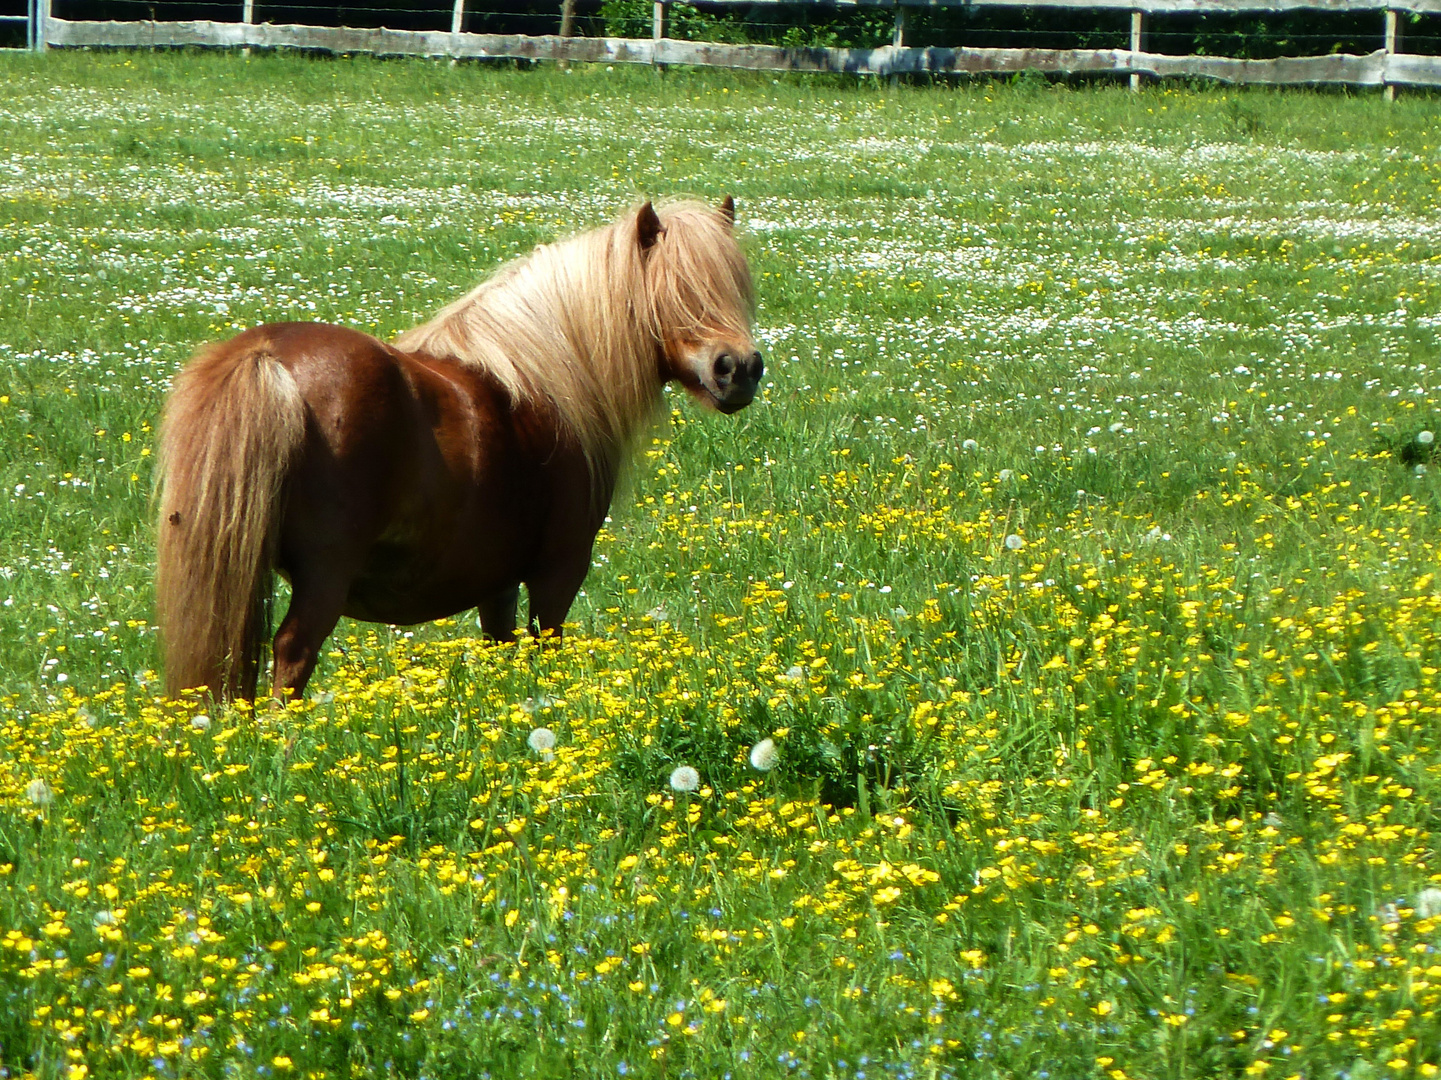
<point x="342" y="39"/>
<point x="1154" y="7"/>
<point x="1373" y="69"/>
<point x="1411" y="69"/>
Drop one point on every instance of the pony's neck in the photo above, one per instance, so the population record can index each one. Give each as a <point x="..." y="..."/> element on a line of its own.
<point x="565" y="325"/>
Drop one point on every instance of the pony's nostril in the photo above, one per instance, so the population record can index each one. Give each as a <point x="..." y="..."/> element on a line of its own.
<point x="759" y="364"/>
<point x="724" y="365"/>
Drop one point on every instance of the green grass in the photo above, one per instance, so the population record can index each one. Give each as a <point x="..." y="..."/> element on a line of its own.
<point x="1078" y="561"/>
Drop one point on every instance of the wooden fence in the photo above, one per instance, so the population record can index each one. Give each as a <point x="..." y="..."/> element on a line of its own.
<point x="1386" y="67"/>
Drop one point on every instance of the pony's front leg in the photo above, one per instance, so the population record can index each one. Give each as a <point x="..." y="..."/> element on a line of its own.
<point x="497" y="615"/>
<point x="552" y="595"/>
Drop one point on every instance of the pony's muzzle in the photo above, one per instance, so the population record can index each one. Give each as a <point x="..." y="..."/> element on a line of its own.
<point x="735" y="379"/>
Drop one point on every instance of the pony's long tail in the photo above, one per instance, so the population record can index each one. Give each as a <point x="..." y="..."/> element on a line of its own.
<point x="231" y="431"/>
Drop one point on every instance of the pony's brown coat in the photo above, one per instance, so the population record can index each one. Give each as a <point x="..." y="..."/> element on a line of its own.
<point x="407" y="482"/>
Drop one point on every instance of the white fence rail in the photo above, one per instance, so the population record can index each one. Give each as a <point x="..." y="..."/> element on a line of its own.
<point x="1385" y="67"/>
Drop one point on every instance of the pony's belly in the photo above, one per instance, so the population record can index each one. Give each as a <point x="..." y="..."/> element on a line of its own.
<point x="376" y="603"/>
<point x="406" y="587"/>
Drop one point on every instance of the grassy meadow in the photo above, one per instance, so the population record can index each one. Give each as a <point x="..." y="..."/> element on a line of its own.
<point x="1078" y="565"/>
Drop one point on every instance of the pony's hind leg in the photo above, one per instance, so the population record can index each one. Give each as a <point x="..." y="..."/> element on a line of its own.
<point x="316" y="602"/>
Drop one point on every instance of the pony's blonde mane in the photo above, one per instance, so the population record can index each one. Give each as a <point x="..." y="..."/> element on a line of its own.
<point x="582" y="322"/>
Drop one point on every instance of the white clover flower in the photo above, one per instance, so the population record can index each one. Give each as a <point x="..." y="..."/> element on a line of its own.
<point x="684" y="778"/>
<point x="764" y="755"/>
<point x="970" y="444"/>
<point x="200" y="722"/>
<point x="1117" y="427"/>
<point x="38" y="792"/>
<point x="542" y="740"/>
<point x="1428" y="903"/>
<point x="1425" y="438"/>
<point x="1014" y="542"/>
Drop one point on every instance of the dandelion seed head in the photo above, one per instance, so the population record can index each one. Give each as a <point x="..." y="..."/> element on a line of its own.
<point x="1428" y="903"/>
<point x="685" y="778"/>
<point x="1426" y="438"/>
<point x="1014" y="542"/>
<point x="200" y="722"/>
<point x="38" y="792"/>
<point x="542" y="740"/>
<point x="970" y="444"/>
<point x="764" y="755"/>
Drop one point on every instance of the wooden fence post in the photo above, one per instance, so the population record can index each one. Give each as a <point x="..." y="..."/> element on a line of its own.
<point x="1136" y="27"/>
<point x="457" y="16"/>
<point x="657" y="30"/>
<point x="898" y="37"/>
<point x="39" y="28"/>
<point x="567" y="17"/>
<point x="1392" y="33"/>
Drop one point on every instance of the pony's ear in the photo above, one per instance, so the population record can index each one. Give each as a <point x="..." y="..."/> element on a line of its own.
<point x="728" y="208"/>
<point x="647" y="227"/>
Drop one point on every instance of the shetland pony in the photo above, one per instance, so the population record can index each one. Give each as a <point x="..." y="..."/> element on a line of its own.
<point x="405" y="482"/>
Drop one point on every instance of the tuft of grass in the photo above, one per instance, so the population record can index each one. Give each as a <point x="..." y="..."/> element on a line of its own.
<point x="1078" y="560"/>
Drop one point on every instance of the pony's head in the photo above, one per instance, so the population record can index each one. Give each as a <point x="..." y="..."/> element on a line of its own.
<point x="701" y="301"/>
